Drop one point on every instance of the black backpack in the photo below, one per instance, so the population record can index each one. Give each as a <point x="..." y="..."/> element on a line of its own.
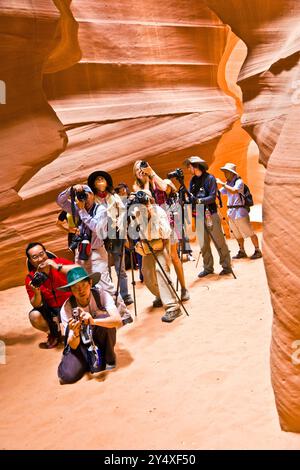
<point x="247" y="196"/>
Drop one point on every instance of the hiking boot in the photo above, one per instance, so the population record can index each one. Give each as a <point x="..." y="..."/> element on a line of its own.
<point x="224" y="272"/>
<point x="157" y="303"/>
<point x="185" y="295"/>
<point x="204" y="273"/>
<point x="128" y="300"/>
<point x="240" y="254"/>
<point x="171" y="314"/>
<point x="257" y="254"/>
<point x="52" y="342"/>
<point x="110" y="366"/>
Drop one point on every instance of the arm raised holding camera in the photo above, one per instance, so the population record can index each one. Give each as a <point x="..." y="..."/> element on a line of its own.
<point x="160" y="183"/>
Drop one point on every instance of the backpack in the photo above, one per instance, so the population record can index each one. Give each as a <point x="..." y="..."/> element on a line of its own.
<point x="247" y="196"/>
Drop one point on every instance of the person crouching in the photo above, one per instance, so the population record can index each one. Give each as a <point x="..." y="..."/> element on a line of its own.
<point x="90" y="319"/>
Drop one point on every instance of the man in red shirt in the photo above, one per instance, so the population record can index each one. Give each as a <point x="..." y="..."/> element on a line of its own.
<point x="46" y="274"/>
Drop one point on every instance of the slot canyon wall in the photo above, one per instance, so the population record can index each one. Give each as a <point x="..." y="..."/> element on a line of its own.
<point x="94" y="84"/>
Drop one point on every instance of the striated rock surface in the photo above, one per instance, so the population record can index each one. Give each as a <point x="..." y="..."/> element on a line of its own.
<point x="270" y="83"/>
<point x="128" y="80"/>
<point x="31" y="134"/>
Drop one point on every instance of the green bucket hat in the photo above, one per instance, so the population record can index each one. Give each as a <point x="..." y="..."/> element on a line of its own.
<point x="76" y="275"/>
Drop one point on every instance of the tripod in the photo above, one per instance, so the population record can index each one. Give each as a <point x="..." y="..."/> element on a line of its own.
<point x="167" y="279"/>
<point x="133" y="283"/>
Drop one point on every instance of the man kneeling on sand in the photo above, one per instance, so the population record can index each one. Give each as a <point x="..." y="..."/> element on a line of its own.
<point x="90" y="319"/>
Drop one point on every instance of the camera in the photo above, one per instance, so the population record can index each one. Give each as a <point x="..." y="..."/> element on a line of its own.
<point x="75" y="241"/>
<point x="178" y="174"/>
<point x="140" y="197"/>
<point x="76" y="314"/>
<point x="81" y="195"/>
<point x="143" y="164"/>
<point x="83" y="244"/>
<point x="38" y="279"/>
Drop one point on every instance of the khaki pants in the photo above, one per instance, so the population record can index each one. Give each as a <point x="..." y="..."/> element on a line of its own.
<point x="155" y="280"/>
<point x="221" y="245"/>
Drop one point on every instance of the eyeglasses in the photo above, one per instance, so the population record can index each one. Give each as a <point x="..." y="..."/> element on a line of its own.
<point x="39" y="255"/>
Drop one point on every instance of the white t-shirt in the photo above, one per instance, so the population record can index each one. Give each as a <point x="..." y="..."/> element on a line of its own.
<point x="234" y="199"/>
<point x="105" y="299"/>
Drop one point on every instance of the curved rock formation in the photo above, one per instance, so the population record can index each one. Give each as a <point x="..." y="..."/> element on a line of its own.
<point x="31" y="135"/>
<point x="270" y="83"/>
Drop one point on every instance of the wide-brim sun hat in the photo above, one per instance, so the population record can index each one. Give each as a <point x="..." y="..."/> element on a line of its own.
<point x="78" y="274"/>
<point x="93" y="176"/>
<point x="195" y="159"/>
<point x="229" y="167"/>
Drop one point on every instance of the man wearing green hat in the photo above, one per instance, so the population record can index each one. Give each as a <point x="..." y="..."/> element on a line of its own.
<point x="89" y="308"/>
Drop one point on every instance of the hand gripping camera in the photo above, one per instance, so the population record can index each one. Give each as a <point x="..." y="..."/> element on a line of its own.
<point x="38" y="279"/>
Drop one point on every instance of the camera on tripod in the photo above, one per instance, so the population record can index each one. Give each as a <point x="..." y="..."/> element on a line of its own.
<point x="178" y="174"/>
<point x="38" y="279"/>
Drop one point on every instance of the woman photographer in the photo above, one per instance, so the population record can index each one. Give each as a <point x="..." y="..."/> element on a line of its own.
<point x="101" y="184"/>
<point x="165" y="195"/>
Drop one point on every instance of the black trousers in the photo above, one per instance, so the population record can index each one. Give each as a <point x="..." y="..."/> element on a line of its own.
<point x="48" y="313"/>
<point x="74" y="363"/>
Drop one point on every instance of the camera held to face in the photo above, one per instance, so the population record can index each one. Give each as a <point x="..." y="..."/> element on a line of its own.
<point x="38" y="279"/>
<point x="76" y="314"/>
<point x="143" y="164"/>
<point x="82" y="195"/>
<point x="140" y="197"/>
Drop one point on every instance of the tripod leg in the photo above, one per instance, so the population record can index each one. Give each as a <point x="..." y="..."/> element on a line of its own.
<point x="133" y="280"/>
<point x="120" y="267"/>
<point x="168" y="280"/>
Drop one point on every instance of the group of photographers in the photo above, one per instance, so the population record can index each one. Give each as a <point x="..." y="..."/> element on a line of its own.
<point x="82" y="294"/>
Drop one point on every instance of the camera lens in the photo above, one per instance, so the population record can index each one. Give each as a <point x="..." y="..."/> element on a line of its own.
<point x="81" y="195"/>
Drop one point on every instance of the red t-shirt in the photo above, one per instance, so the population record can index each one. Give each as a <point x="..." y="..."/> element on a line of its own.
<point x="51" y="296"/>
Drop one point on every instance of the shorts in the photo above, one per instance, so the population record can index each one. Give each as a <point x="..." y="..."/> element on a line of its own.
<point x="241" y="228"/>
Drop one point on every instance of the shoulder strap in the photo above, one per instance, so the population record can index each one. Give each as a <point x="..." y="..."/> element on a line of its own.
<point x="96" y="295"/>
<point x="73" y="301"/>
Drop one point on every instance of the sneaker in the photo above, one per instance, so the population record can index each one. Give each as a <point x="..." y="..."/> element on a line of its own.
<point x="257" y="254"/>
<point x="204" y="273"/>
<point x="157" y="303"/>
<point x="240" y="254"/>
<point x="185" y="295"/>
<point x="171" y="314"/>
<point x="128" y="300"/>
<point x="224" y="272"/>
<point x="110" y="366"/>
<point x="52" y="342"/>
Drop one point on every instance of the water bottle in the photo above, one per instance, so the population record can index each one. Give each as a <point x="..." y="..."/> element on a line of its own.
<point x="208" y="219"/>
